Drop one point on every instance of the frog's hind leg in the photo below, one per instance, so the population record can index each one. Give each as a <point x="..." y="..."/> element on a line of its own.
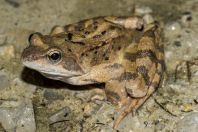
<point x="115" y="92"/>
<point x="132" y="104"/>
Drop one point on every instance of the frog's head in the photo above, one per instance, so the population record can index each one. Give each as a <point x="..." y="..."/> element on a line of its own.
<point x="50" y="56"/>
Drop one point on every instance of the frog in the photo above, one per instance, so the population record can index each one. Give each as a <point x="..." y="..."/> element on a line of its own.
<point x="122" y="52"/>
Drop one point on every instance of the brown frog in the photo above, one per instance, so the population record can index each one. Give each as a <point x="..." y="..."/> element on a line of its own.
<point x="122" y="52"/>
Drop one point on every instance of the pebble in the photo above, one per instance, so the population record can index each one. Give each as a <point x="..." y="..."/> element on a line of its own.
<point x="18" y="117"/>
<point x="52" y="96"/>
<point x="142" y="10"/>
<point x="188" y="124"/>
<point x="186" y="19"/>
<point x="130" y="124"/>
<point x="60" y="115"/>
<point x="172" y="29"/>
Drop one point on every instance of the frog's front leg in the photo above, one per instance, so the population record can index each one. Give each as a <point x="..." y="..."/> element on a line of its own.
<point x="97" y="74"/>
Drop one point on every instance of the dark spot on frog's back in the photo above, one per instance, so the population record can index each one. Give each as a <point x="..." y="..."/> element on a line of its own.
<point x="95" y="27"/>
<point x="130" y="56"/>
<point x="96" y="36"/>
<point x="114" y="66"/>
<point x="141" y="54"/>
<point x="128" y="76"/>
<point x="86" y="32"/>
<point x="144" y="72"/>
<point x="71" y="64"/>
<point x="103" y="32"/>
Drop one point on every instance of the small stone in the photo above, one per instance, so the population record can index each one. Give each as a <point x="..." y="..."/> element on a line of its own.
<point x="142" y="10"/>
<point x="188" y="124"/>
<point x="60" y="115"/>
<point x="186" y="18"/>
<point x="126" y="124"/>
<point x="187" y="108"/>
<point x="172" y="29"/>
<point x="177" y="43"/>
<point x="18" y="116"/>
<point x="52" y="96"/>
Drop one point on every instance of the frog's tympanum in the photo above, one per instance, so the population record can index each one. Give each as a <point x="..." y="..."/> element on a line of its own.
<point x="122" y="52"/>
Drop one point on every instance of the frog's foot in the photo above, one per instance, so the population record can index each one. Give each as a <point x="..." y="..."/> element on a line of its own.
<point x="187" y="65"/>
<point x="127" y="107"/>
<point x="131" y="105"/>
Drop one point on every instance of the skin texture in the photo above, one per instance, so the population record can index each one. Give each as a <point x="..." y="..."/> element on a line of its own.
<point x="121" y="52"/>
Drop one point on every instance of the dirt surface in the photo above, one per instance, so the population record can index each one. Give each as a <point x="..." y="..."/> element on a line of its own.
<point x="29" y="102"/>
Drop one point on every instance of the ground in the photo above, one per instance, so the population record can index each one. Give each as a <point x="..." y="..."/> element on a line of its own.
<point x="29" y="102"/>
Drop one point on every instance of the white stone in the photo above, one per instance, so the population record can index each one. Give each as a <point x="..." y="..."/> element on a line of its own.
<point x="142" y="10"/>
<point x="172" y="29"/>
<point x="18" y="116"/>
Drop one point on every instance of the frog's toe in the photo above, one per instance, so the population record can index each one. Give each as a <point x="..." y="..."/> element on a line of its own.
<point x="129" y="106"/>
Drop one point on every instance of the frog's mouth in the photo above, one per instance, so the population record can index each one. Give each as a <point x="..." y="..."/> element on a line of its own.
<point x="53" y="72"/>
<point x="55" y="75"/>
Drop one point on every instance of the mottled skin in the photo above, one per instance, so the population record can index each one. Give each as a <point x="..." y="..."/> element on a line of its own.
<point x="121" y="52"/>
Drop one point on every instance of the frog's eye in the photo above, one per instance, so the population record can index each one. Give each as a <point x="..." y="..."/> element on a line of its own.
<point x="54" y="56"/>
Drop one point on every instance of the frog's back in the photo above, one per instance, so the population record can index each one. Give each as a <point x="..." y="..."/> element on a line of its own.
<point x="102" y="39"/>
